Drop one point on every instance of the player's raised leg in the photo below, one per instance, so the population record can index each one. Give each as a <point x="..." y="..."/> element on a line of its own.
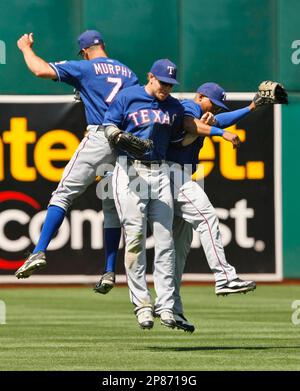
<point x="79" y="173"/>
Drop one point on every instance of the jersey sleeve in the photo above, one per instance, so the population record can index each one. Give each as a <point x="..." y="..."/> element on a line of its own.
<point x="178" y="133"/>
<point x="68" y="72"/>
<point x="133" y="81"/>
<point x="191" y="109"/>
<point x="115" y="113"/>
<point x="231" y="117"/>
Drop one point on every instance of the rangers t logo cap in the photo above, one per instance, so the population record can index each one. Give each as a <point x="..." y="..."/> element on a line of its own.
<point x="164" y="70"/>
<point x="89" y="38"/>
<point x="215" y="93"/>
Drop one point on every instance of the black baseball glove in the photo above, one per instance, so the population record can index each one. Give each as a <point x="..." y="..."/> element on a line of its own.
<point x="270" y="92"/>
<point x="134" y="146"/>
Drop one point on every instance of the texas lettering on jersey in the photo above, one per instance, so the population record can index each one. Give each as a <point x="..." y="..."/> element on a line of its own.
<point x="145" y="116"/>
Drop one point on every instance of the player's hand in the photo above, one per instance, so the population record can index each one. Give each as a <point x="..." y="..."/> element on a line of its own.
<point x="208" y="118"/>
<point x="25" y="41"/>
<point x="233" y="138"/>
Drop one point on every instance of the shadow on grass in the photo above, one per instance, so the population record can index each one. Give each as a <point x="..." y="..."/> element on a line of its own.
<point x="212" y="348"/>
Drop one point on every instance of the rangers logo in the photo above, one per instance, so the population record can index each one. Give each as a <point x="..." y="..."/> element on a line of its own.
<point x="171" y="70"/>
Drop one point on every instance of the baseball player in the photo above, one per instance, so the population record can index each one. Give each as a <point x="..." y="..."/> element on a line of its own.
<point x="148" y="112"/>
<point x="98" y="79"/>
<point x="142" y="187"/>
<point x="192" y="207"/>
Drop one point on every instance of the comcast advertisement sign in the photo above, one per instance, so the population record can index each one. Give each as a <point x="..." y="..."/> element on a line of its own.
<point x="39" y="136"/>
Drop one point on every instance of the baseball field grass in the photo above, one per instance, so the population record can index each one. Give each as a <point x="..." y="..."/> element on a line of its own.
<point x="76" y="329"/>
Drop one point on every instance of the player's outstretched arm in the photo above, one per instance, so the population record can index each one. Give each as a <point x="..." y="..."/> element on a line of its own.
<point x="195" y="127"/>
<point x="35" y="64"/>
<point x="229" y="118"/>
<point x="269" y="92"/>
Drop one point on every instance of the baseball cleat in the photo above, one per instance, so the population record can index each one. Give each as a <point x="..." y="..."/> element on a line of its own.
<point x="235" y="286"/>
<point x="167" y="319"/>
<point x="106" y="283"/>
<point x="145" y="318"/>
<point x="33" y="262"/>
<point x="183" y="324"/>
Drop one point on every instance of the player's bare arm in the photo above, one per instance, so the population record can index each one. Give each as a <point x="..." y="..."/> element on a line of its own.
<point x="190" y="126"/>
<point x="195" y="128"/>
<point x="35" y="64"/>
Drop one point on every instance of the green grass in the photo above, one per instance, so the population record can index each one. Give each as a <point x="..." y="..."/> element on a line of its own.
<point x="76" y="329"/>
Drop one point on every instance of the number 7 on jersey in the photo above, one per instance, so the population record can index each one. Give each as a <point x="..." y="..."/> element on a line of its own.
<point x="117" y="81"/>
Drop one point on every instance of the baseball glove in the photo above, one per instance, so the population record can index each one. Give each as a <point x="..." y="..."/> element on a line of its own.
<point x="270" y="92"/>
<point x="127" y="142"/>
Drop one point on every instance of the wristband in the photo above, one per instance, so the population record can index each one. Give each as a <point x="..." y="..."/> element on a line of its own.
<point x="216" y="131"/>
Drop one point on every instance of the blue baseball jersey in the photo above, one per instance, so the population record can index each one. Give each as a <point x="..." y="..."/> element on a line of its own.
<point x="137" y="112"/>
<point x="98" y="82"/>
<point x="188" y="154"/>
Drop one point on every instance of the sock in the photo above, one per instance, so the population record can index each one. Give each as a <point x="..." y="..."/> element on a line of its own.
<point x="54" y="218"/>
<point x="111" y="245"/>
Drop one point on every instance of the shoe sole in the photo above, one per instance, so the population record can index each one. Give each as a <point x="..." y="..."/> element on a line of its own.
<point x="168" y="325"/>
<point x="229" y="291"/>
<point x="146" y="327"/>
<point x="104" y="288"/>
<point x="186" y="329"/>
<point x="28" y="272"/>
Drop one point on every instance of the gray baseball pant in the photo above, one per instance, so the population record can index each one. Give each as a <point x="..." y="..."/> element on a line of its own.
<point x="192" y="204"/>
<point x="140" y="194"/>
<point x="183" y="236"/>
<point x="92" y="157"/>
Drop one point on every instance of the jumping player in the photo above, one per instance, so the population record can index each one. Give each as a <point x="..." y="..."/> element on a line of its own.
<point x="149" y="112"/>
<point x="192" y="207"/>
<point x="98" y="79"/>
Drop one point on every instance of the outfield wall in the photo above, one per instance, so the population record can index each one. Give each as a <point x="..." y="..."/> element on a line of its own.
<point x="39" y="135"/>
<point x="236" y="43"/>
<point x="291" y="186"/>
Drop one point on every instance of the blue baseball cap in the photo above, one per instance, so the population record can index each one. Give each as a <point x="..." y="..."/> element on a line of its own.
<point x="215" y="93"/>
<point x="164" y="70"/>
<point x="88" y="39"/>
